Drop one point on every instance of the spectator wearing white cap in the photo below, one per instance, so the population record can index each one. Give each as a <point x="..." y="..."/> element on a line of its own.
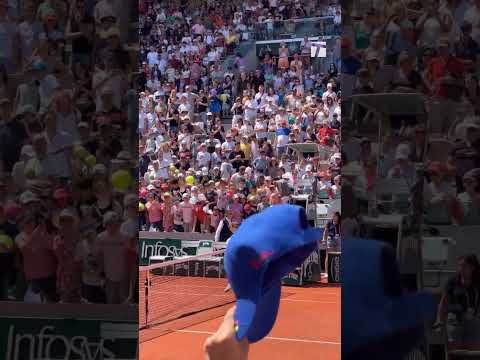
<point x="308" y="178"/>
<point x="328" y="92"/>
<point x="186" y="209"/>
<point x="106" y="8"/>
<point x="203" y="156"/>
<point x="229" y="143"/>
<point x="403" y="167"/>
<point x="216" y="157"/>
<point x="337" y="186"/>
<point x="469" y="200"/>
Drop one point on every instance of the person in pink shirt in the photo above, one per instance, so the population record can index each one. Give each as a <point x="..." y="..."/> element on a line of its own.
<point x="130" y="228"/>
<point x="68" y="269"/>
<point x="39" y="264"/>
<point x="111" y="250"/>
<point x="236" y="209"/>
<point x="154" y="210"/>
<point x="187" y="213"/>
<point x="167" y="211"/>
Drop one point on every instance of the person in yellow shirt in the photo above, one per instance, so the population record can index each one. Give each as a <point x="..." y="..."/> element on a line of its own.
<point x="231" y="41"/>
<point x="246" y="147"/>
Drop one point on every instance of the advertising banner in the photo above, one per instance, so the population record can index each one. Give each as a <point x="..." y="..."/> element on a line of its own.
<point x="51" y="339"/>
<point x="303" y="275"/>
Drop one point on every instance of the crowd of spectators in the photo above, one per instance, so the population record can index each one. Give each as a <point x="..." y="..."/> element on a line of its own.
<point x="68" y="202"/>
<point x="215" y="140"/>
<point x="418" y="64"/>
<point x="430" y="49"/>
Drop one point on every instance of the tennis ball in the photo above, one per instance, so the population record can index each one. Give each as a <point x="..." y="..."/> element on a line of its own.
<point x="80" y="152"/>
<point x="141" y="207"/>
<point x="29" y="173"/>
<point x="190" y="180"/>
<point x="91" y="160"/>
<point x="6" y="241"/>
<point x="121" y="180"/>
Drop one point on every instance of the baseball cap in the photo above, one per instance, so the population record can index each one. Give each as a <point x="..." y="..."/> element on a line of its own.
<point x="258" y="256"/>
<point x="67" y="214"/>
<point x="27" y="150"/>
<point x="402" y="152"/>
<point x="372" y="295"/>
<point x="60" y="194"/>
<point x="28" y="197"/>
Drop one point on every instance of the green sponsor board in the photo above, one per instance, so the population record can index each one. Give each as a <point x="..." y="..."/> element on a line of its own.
<point x="52" y="339"/>
<point x="304" y="274"/>
<point x="162" y="247"/>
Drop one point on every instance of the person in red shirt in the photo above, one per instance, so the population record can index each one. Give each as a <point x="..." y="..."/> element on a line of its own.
<point x="326" y="133"/>
<point x="442" y="65"/>
<point x="199" y="215"/>
<point x="39" y="262"/>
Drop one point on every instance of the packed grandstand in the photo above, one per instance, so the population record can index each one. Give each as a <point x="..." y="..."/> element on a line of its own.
<point x="68" y="202"/>
<point x="237" y="113"/>
<point x="411" y="151"/>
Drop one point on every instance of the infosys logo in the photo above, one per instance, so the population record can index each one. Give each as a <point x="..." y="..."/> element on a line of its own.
<point x="47" y="345"/>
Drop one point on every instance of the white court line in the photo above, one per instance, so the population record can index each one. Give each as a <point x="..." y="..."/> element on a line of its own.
<point x="268" y="338"/>
<point x="188" y="293"/>
<point x="192" y="286"/>
<point x="313" y="301"/>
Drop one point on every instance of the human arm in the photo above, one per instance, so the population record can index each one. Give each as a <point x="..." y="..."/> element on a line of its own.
<point x="218" y="231"/>
<point x="325" y="233"/>
<point x="194" y="220"/>
<point x="442" y="310"/>
<point x="223" y="344"/>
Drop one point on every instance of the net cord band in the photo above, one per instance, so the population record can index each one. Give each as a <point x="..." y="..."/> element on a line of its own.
<point x="151" y="267"/>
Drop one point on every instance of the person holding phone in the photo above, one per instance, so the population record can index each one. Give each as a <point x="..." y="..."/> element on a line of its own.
<point x="460" y="301"/>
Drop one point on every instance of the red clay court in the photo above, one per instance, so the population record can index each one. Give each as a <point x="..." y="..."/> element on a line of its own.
<point x="308" y="324"/>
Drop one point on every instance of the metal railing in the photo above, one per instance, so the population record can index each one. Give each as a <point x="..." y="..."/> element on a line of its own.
<point x="294" y="28"/>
